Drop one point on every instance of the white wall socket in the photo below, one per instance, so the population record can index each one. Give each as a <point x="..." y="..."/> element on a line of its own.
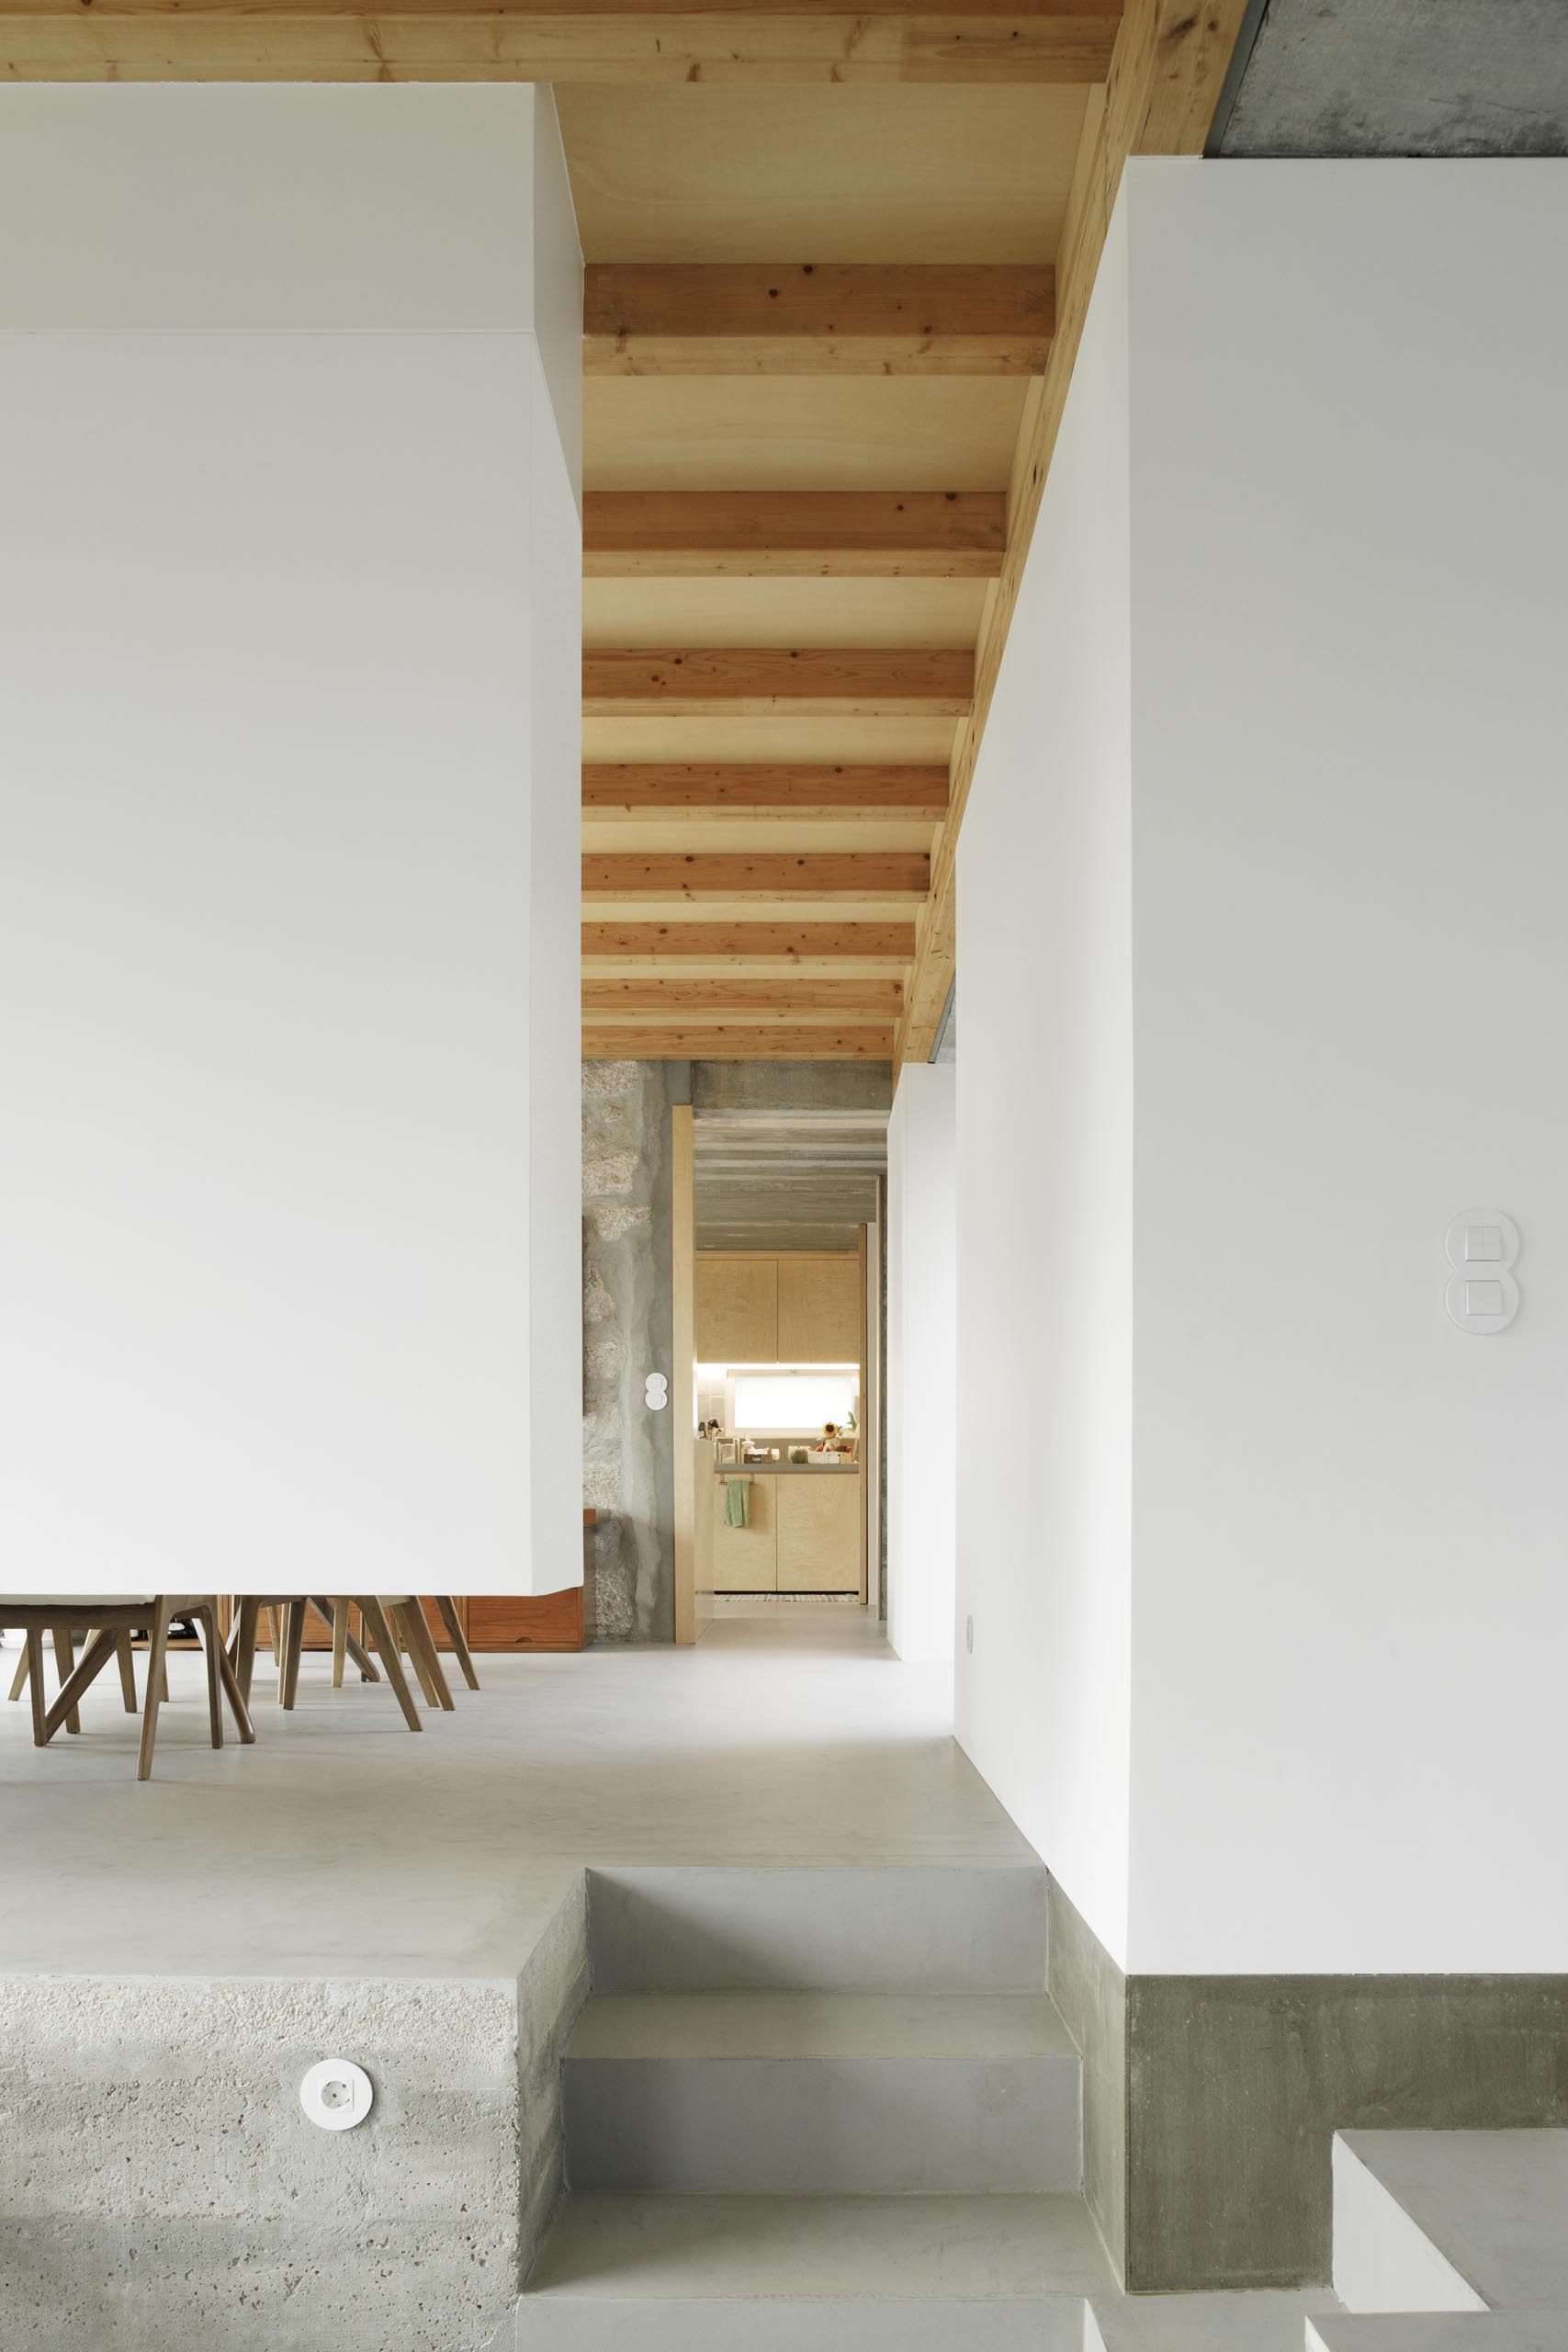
<point x="336" y="2094"/>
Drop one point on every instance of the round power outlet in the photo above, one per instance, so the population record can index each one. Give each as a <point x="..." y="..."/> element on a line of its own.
<point x="336" y="2094"/>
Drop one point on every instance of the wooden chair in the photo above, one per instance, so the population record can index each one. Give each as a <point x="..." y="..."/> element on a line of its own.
<point x="65" y="1659"/>
<point x="394" y="1623"/>
<point x="107" y="1622"/>
<point x="447" y="1608"/>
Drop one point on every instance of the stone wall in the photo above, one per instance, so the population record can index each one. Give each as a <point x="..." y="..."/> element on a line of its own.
<point x="628" y="1450"/>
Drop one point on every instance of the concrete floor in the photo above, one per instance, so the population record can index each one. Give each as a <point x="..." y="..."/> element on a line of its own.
<point x="343" y="1845"/>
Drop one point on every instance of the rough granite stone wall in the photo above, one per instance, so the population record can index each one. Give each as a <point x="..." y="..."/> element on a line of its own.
<point x="161" y="2190"/>
<point x="628" y="1472"/>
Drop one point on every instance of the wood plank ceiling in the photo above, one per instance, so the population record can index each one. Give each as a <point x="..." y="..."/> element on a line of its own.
<point x="838" y="265"/>
<point x="812" y="317"/>
<point x="819" y="330"/>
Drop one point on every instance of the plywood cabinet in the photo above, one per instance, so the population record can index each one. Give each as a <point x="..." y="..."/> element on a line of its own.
<point x="819" y="1308"/>
<point x="745" y="1559"/>
<point x="736" y="1308"/>
<point x="819" y="1547"/>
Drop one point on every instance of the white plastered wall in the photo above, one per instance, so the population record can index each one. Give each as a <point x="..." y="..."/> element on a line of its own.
<point x="289" y="782"/>
<point x="922" y="1367"/>
<point x="1253" y="1006"/>
<point x="1044" y="1172"/>
<point x="1351" y="866"/>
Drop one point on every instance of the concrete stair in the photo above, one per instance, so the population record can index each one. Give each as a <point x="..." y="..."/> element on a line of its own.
<point x="818" y="2107"/>
<point x="1449" y="2242"/>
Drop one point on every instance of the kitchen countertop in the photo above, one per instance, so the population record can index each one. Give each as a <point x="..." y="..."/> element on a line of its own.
<point x="785" y="1469"/>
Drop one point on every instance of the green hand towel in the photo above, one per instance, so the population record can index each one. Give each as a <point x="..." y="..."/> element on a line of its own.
<point x="738" y="1502"/>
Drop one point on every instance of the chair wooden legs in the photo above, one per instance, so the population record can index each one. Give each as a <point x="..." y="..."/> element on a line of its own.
<point x="458" y="1639"/>
<point x="334" y="1614"/>
<point x="339" y="1641"/>
<point x="126" y="1673"/>
<point x="157" y="1653"/>
<point x="65" y="1666"/>
<point x="95" y="1657"/>
<point x="34" y="1683"/>
<point x="426" y="1655"/>
<point x="293" y="1647"/>
<point x="19" y="1680"/>
<point x="207" y="1618"/>
<point x="374" y="1617"/>
<point x="245" y="1646"/>
<point x="235" y="1697"/>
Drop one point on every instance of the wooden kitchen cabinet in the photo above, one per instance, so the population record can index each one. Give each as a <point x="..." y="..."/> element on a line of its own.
<point x="818" y="1308"/>
<point x="819" y="1546"/>
<point x="735" y="1307"/>
<point x="745" y="1559"/>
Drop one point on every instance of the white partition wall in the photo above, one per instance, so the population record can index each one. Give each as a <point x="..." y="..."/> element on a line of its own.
<point x="1264" y="961"/>
<point x="289" y="786"/>
<point x="922" y="1373"/>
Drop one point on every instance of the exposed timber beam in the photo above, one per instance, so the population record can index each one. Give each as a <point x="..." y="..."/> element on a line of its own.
<point x="723" y="947"/>
<point x="1167" y="76"/>
<point x="679" y="787"/>
<point x="829" y="534"/>
<point x="570" y="40"/>
<point x="827" y="319"/>
<point x="731" y="1041"/>
<point x="723" y="684"/>
<point x="653" y="998"/>
<point x="872" y="877"/>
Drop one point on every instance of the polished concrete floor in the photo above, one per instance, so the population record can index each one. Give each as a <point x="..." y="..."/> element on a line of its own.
<point x="342" y="1844"/>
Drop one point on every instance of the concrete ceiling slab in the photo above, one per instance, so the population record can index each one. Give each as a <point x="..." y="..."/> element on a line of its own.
<point x="1400" y="77"/>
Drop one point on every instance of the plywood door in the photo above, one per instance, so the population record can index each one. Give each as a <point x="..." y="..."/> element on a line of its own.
<point x="819" y="1534"/>
<point x="819" y="1308"/>
<point x="737" y="1309"/>
<point x="745" y="1559"/>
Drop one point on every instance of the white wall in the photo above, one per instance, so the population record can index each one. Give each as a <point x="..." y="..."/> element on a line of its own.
<point x="1044" y="1179"/>
<point x="289" y="776"/>
<point x="1351" y="863"/>
<point x="1303" y="535"/>
<point x="922" y="1363"/>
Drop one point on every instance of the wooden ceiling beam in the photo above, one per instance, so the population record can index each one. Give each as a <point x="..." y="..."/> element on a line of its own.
<point x="826" y="319"/>
<point x="829" y="681"/>
<point x="873" y="876"/>
<point x="791" y="998"/>
<point x="570" y="40"/>
<point x="1165" y="77"/>
<point x="785" y="947"/>
<point x="730" y="1041"/>
<point x="654" y="788"/>
<point x="829" y="534"/>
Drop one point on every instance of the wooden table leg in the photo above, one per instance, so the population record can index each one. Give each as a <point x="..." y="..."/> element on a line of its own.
<point x="126" y="1673"/>
<point x="381" y="1634"/>
<point x="157" y="1653"/>
<point x="19" y="1680"/>
<point x="447" y="1608"/>
<point x="340" y="1640"/>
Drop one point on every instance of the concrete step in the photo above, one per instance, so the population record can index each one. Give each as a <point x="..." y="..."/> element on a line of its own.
<point x="1450" y="2222"/>
<point x="846" y="2274"/>
<point x="791" y="2094"/>
<point x="964" y="1929"/>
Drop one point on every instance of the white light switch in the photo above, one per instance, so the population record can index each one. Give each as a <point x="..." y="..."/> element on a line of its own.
<point x="1479" y="1238"/>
